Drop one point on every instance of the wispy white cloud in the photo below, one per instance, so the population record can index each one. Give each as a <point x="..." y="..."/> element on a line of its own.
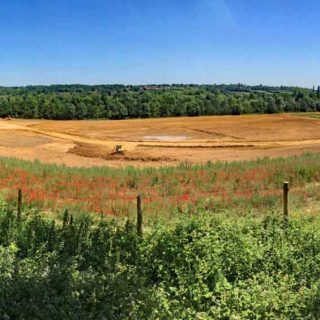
<point x="221" y="11"/>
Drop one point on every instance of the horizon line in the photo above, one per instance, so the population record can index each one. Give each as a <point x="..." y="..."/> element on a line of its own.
<point x="157" y="84"/>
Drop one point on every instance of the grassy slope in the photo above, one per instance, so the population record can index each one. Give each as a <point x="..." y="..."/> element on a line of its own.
<point x="242" y="186"/>
<point x="218" y="258"/>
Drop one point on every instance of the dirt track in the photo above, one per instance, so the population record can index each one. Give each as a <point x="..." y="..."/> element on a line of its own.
<point x="160" y="141"/>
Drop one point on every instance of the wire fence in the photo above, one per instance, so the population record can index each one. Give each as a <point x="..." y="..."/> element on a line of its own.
<point x="217" y="200"/>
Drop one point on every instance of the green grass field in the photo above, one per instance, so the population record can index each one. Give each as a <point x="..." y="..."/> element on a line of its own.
<point x="247" y="186"/>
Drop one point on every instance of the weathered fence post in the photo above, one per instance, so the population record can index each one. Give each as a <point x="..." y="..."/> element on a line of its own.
<point x="139" y="216"/>
<point x="19" y="204"/>
<point x="285" y="199"/>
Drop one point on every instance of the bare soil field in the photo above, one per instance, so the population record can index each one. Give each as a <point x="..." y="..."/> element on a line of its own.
<point x="158" y="142"/>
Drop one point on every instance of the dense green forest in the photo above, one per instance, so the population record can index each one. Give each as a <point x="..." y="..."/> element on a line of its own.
<point x="63" y="102"/>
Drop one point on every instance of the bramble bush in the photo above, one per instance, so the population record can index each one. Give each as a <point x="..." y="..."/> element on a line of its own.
<point x="206" y="266"/>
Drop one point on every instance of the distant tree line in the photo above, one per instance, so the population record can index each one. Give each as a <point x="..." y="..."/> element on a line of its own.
<point x="63" y="102"/>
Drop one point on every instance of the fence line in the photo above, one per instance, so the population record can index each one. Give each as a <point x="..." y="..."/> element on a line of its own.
<point x="285" y="190"/>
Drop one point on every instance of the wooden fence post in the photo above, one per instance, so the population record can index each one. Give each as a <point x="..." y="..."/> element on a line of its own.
<point x="139" y="216"/>
<point x="19" y="204"/>
<point x="285" y="199"/>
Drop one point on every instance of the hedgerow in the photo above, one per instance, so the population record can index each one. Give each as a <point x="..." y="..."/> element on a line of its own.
<point x="206" y="266"/>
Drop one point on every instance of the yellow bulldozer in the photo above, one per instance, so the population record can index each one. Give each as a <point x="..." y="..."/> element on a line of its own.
<point x="118" y="150"/>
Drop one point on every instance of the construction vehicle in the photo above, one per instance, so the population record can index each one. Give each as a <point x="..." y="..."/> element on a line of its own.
<point x="118" y="150"/>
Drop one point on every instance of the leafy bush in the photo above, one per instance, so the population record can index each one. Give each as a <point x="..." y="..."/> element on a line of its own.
<point x="204" y="267"/>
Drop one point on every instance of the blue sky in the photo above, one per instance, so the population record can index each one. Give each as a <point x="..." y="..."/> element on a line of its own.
<point x="160" y="41"/>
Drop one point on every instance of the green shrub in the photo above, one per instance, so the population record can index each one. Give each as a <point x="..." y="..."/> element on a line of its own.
<point x="209" y="266"/>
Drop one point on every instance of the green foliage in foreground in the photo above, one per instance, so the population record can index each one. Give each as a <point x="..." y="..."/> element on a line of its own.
<point x="202" y="267"/>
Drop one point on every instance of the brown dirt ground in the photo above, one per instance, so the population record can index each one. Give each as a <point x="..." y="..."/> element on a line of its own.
<point x="158" y="142"/>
